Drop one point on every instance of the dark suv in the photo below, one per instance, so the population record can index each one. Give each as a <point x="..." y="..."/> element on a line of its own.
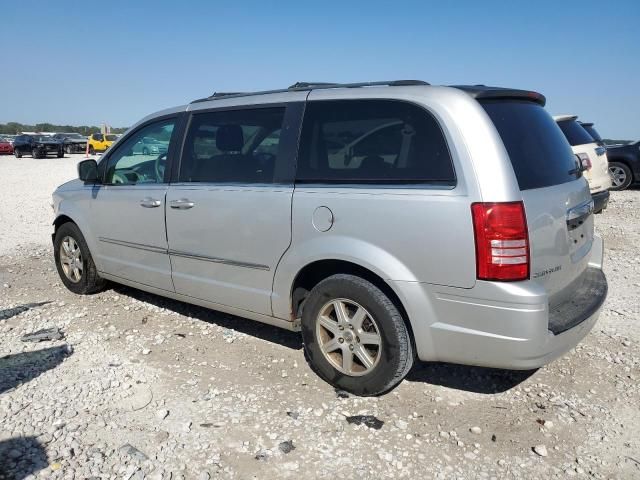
<point x="38" y="146"/>
<point x="624" y="165"/>
<point x="73" y="142"/>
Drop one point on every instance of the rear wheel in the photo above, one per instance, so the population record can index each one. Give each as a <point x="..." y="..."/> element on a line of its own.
<point x="621" y="176"/>
<point x="17" y="153"/>
<point x="74" y="261"/>
<point x="355" y="337"/>
<point x="69" y="149"/>
<point x="60" y="153"/>
<point x="92" y="151"/>
<point x="35" y="153"/>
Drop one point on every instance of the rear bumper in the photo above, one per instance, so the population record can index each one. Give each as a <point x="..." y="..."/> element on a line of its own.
<point x="600" y="201"/>
<point x="502" y="325"/>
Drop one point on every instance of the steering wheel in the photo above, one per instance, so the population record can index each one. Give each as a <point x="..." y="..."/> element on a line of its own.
<point x="159" y="166"/>
<point x="118" y="179"/>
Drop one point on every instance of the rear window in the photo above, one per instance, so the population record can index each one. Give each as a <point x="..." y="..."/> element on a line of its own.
<point x="539" y="152"/>
<point x="576" y="135"/>
<point x="593" y="132"/>
<point x="372" y="142"/>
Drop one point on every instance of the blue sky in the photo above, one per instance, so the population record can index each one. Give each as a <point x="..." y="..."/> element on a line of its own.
<point x="115" y="62"/>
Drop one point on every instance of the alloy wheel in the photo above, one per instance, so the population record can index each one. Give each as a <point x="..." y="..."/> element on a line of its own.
<point x="71" y="259"/>
<point x="618" y="175"/>
<point x="349" y="337"/>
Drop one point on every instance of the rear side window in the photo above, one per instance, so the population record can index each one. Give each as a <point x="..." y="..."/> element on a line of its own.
<point x="539" y="153"/>
<point x="576" y="135"/>
<point x="372" y="142"/>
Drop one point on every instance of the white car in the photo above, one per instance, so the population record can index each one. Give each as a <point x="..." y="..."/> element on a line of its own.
<point x="592" y="156"/>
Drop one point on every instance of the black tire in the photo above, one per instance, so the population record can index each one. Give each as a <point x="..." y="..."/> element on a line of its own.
<point x="92" y="151"/>
<point x="35" y="153"/>
<point x="620" y="169"/>
<point x="145" y="151"/>
<point x="69" y="149"/>
<point x="17" y="153"/>
<point x="396" y="354"/>
<point x="61" y="154"/>
<point x="90" y="281"/>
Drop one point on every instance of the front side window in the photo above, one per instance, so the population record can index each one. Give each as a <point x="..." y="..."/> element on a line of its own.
<point x="129" y="165"/>
<point x="240" y="146"/>
<point x="372" y="142"/>
<point x="98" y="137"/>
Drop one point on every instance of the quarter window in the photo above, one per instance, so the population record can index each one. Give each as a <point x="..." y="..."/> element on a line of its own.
<point x="240" y="146"/>
<point x="130" y="164"/>
<point x="372" y="141"/>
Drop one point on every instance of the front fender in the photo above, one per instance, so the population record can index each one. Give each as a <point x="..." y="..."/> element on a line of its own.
<point x="357" y="251"/>
<point x="76" y="205"/>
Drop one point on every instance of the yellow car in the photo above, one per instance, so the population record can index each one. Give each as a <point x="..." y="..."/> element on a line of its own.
<point x="99" y="142"/>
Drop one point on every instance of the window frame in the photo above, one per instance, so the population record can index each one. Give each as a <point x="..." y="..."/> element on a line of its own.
<point x="394" y="184"/>
<point x="178" y="130"/>
<point x="284" y="171"/>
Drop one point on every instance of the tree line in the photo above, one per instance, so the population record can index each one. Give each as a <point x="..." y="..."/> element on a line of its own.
<point x="13" y="128"/>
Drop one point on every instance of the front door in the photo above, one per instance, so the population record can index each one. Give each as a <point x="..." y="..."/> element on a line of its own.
<point x="229" y="215"/>
<point x="128" y="211"/>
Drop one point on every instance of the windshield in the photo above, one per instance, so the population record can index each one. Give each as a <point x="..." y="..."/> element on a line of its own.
<point x="576" y="135"/>
<point x="111" y="138"/>
<point x="538" y="151"/>
<point x="73" y="135"/>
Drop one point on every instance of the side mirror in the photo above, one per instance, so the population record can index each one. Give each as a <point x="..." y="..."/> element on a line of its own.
<point x="88" y="171"/>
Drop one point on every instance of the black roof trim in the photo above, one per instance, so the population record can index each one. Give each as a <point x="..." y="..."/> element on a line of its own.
<point x="303" y="86"/>
<point x="586" y="124"/>
<point x="481" y="92"/>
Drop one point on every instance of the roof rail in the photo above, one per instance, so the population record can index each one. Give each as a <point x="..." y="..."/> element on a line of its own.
<point x="302" y="86"/>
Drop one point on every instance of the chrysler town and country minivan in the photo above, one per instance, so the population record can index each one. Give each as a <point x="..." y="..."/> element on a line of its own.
<point x="387" y="221"/>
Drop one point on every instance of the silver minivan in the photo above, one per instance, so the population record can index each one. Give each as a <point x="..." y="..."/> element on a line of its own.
<point x="387" y="221"/>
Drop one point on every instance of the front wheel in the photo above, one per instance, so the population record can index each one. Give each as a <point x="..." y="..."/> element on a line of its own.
<point x="621" y="176"/>
<point x="74" y="261"/>
<point x="17" y="153"/>
<point x="355" y="338"/>
<point x="35" y="153"/>
<point x="69" y="149"/>
<point x="92" y="151"/>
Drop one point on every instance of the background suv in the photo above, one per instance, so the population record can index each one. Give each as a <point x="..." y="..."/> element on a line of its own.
<point x="592" y="156"/>
<point x="624" y="165"/>
<point x="386" y="221"/>
<point x="38" y="146"/>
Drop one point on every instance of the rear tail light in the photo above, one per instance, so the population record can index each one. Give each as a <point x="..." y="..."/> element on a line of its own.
<point x="584" y="161"/>
<point x="502" y="241"/>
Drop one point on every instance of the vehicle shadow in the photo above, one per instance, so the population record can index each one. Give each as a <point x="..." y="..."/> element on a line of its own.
<point x="468" y="378"/>
<point x="21" y="457"/>
<point x="259" y="330"/>
<point x="7" y="313"/>
<point x="23" y="367"/>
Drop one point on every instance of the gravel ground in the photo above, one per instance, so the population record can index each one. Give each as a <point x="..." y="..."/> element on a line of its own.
<point x="144" y="387"/>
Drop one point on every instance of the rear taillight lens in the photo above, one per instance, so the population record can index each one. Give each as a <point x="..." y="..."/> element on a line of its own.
<point x="585" y="161"/>
<point x="502" y="241"/>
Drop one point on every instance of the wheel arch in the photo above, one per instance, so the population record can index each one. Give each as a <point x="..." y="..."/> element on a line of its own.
<point x="316" y="271"/>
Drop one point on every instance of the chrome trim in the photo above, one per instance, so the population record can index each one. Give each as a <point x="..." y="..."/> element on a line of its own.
<point x="235" y="263"/>
<point x="139" y="246"/>
<point x="177" y="253"/>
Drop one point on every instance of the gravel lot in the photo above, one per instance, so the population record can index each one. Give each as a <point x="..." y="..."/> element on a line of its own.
<point x="144" y="387"/>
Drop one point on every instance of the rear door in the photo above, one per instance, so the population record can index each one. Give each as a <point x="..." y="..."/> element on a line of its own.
<point x="557" y="201"/>
<point x="229" y="213"/>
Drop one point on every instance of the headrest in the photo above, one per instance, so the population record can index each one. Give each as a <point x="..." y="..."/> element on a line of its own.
<point x="229" y="138"/>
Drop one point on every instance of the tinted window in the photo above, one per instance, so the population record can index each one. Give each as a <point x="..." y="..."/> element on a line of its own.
<point x="240" y="146"/>
<point x="576" y="135"/>
<point x="128" y="166"/>
<point x="539" y="153"/>
<point x="593" y="132"/>
<point x="372" y="141"/>
<point x="98" y="137"/>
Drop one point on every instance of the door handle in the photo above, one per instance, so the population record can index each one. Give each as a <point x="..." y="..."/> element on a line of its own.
<point x="149" y="202"/>
<point x="182" y="204"/>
